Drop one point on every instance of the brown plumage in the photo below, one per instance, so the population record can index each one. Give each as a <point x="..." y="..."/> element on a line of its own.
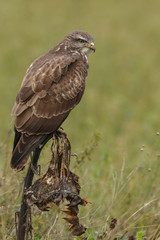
<point x="53" y="85"/>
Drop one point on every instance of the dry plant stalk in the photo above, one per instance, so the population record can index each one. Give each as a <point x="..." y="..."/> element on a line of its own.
<point x="58" y="184"/>
<point x="23" y="220"/>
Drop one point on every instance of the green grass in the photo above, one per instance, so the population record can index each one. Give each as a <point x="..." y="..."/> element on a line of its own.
<point x="121" y="104"/>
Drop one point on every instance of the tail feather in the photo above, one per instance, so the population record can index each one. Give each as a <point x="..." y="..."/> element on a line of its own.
<point x="23" y="145"/>
<point x="16" y="138"/>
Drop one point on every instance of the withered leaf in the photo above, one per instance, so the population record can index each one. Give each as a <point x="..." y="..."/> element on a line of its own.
<point x="72" y="220"/>
<point x="77" y="230"/>
<point x="58" y="184"/>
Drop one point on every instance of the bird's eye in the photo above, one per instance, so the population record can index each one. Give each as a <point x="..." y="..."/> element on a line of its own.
<point x="81" y="40"/>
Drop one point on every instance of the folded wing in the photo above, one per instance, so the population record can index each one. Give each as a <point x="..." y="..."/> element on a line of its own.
<point x="50" y="90"/>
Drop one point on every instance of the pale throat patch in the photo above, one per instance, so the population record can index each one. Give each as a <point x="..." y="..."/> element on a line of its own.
<point x="86" y="50"/>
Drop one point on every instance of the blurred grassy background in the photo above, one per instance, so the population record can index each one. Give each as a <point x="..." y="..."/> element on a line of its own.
<point x="121" y="102"/>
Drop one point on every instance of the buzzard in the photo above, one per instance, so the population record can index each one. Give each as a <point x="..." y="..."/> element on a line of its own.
<point x="52" y="86"/>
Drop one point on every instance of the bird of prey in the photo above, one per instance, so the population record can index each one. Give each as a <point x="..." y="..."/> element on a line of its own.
<point x="52" y="86"/>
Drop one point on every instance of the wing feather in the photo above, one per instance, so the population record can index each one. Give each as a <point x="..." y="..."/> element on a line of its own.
<point x="49" y="92"/>
<point x="23" y="118"/>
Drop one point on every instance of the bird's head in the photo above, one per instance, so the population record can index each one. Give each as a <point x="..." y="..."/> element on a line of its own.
<point x="80" y="41"/>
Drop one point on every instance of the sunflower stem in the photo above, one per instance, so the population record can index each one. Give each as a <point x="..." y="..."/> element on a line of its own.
<point x="24" y="225"/>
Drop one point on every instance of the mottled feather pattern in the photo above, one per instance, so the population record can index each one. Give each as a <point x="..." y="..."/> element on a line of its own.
<point x="52" y="98"/>
<point x="53" y="85"/>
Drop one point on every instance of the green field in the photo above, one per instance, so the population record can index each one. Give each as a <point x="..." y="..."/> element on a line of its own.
<point x="113" y="129"/>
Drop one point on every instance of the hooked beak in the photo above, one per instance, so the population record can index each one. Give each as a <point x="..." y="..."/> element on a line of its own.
<point x="92" y="47"/>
